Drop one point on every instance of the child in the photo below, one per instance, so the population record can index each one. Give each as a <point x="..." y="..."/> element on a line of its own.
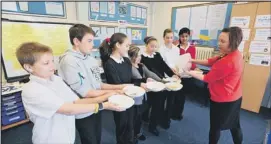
<point x="141" y="74"/>
<point x="118" y="70"/>
<point x="50" y="103"/>
<point x="82" y="73"/>
<point x="185" y="46"/>
<point x="170" y="53"/>
<point x="155" y="63"/>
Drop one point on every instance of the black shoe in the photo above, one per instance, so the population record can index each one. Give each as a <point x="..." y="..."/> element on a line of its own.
<point x="178" y="118"/>
<point x="142" y="137"/>
<point x="165" y="125"/>
<point x="154" y="131"/>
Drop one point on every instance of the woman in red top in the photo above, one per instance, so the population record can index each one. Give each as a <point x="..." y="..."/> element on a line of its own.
<point x="225" y="85"/>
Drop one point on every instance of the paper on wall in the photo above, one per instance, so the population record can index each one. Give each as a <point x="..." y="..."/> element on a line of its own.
<point x="111" y="8"/>
<point x="260" y="59"/>
<point x="260" y="46"/>
<point x="241" y="46"/>
<point x="133" y="11"/>
<point x="242" y="22"/>
<point x="95" y="6"/>
<point x="182" y="18"/>
<point x="263" y="34"/>
<point x="54" y="8"/>
<point x="263" y="21"/>
<point x="23" y="6"/>
<point x="11" y="6"/>
<point x="246" y="34"/>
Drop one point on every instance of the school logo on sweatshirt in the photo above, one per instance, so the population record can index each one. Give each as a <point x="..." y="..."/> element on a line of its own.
<point x="96" y="72"/>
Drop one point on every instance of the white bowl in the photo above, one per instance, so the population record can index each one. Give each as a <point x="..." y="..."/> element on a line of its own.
<point x="177" y="86"/>
<point x="134" y="91"/>
<point x="122" y="101"/>
<point x="155" y="86"/>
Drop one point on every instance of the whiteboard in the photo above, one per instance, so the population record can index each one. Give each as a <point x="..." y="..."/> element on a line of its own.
<point x="56" y="36"/>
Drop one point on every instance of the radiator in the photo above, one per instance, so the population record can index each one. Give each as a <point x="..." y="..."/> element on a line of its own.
<point x="203" y="53"/>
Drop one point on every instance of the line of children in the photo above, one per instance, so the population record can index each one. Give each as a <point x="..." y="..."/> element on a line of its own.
<point x="79" y="93"/>
<point x="49" y="102"/>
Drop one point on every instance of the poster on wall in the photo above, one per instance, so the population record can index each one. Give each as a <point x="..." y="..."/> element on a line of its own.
<point x="136" y="35"/>
<point x="242" y="22"/>
<point x="95" y="6"/>
<point x="263" y="21"/>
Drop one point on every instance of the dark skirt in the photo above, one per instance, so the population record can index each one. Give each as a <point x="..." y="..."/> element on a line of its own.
<point x="225" y="115"/>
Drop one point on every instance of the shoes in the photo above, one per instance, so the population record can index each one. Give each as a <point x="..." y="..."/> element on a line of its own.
<point x="178" y="118"/>
<point x="141" y="137"/>
<point x="165" y="125"/>
<point x="154" y="131"/>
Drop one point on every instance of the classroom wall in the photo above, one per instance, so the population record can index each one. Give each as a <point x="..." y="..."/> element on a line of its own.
<point x="73" y="16"/>
<point x="162" y="16"/>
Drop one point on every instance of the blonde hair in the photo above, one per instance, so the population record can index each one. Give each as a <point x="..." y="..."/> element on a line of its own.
<point x="133" y="52"/>
<point x="28" y="53"/>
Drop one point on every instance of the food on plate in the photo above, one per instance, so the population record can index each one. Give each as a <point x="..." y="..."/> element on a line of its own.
<point x="174" y="86"/>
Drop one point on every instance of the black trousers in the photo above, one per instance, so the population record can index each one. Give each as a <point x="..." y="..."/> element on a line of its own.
<point x="90" y="129"/>
<point x="169" y="105"/>
<point x="156" y="103"/>
<point x="124" y="126"/>
<point x="137" y="119"/>
<point x="178" y="103"/>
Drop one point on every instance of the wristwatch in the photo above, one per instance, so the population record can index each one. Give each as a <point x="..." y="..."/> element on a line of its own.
<point x="101" y="107"/>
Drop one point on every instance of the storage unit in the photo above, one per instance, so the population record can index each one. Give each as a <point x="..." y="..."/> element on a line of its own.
<point x="12" y="109"/>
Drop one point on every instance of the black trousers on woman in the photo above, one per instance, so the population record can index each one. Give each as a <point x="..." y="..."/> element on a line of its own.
<point x="225" y="116"/>
<point x="155" y="101"/>
<point x="124" y="126"/>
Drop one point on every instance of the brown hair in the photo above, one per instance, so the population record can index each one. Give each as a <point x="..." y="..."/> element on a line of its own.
<point x="133" y="52"/>
<point x="28" y="53"/>
<point x="235" y="37"/>
<point x="78" y="31"/>
<point x="108" y="45"/>
<point x="166" y="31"/>
<point x="148" y="39"/>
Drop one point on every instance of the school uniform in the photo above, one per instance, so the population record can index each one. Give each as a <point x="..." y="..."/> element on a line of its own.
<point x="156" y="64"/>
<point x="225" y="85"/>
<point x="42" y="98"/>
<point x="141" y="74"/>
<point x="81" y="73"/>
<point x="119" y="71"/>
<point x="170" y="56"/>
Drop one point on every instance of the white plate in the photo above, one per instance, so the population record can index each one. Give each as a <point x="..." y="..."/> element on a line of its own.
<point x="177" y="86"/>
<point x="197" y="72"/>
<point x="122" y="100"/>
<point x="172" y="79"/>
<point x="155" y="86"/>
<point x="134" y="91"/>
<point x="183" y="62"/>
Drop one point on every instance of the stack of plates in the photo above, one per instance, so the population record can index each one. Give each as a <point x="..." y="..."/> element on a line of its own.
<point x="122" y="101"/>
<point x="155" y="86"/>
